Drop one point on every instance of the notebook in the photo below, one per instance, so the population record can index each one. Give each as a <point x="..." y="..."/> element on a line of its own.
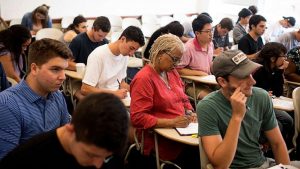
<point x="191" y="129"/>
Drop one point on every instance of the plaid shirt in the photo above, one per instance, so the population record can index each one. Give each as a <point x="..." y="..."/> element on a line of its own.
<point x="294" y="55"/>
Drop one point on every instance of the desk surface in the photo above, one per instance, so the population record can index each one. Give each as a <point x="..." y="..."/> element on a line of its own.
<point x="73" y="74"/>
<point x="209" y="79"/>
<point x="283" y="103"/>
<point x="172" y="134"/>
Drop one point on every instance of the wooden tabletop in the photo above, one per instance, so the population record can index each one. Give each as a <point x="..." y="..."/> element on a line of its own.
<point x="283" y="103"/>
<point x="172" y="134"/>
<point x="73" y="74"/>
<point x="209" y="79"/>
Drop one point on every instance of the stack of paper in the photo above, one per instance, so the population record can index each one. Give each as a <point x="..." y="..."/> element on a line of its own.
<point x="191" y="129"/>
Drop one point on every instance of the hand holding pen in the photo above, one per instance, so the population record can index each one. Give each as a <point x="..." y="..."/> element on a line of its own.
<point x="192" y="116"/>
<point x="121" y="93"/>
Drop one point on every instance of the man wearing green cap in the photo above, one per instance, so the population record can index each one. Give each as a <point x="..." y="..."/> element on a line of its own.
<point x="231" y="119"/>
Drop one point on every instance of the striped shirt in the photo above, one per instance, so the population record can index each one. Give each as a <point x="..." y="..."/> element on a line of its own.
<point x="23" y="114"/>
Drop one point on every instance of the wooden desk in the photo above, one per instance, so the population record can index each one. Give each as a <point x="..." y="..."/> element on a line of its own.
<point x="283" y="103"/>
<point x="171" y="133"/>
<point x="209" y="79"/>
<point x="74" y="75"/>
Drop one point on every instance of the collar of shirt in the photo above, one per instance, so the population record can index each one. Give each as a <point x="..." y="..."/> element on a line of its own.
<point x="197" y="45"/>
<point x="31" y="95"/>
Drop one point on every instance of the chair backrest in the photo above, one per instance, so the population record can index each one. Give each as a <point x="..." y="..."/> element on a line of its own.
<point x="296" y="102"/>
<point x="115" y="22"/>
<point x="66" y="21"/>
<point x="51" y="33"/>
<point x="149" y="19"/>
<point x="148" y="29"/>
<point x="115" y="36"/>
<point x="165" y="20"/>
<point x="130" y="22"/>
<point x="90" y="23"/>
<point x="15" y="21"/>
<point x="203" y="158"/>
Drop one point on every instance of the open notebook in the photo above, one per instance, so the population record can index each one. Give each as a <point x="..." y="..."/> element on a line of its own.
<point x="191" y="129"/>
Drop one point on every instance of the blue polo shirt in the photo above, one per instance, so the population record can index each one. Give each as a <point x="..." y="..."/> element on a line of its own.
<point x="23" y="114"/>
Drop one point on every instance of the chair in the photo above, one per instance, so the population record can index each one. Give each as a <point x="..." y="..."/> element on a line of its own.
<point x="90" y="23"/>
<point x="12" y="81"/>
<point x="148" y="29"/>
<point x="203" y="157"/>
<point x="115" y="22"/>
<point x="130" y="22"/>
<point x="115" y="36"/>
<point x="15" y="22"/>
<point x="51" y="33"/>
<point x="296" y="102"/>
<point x="165" y="20"/>
<point x="66" y="21"/>
<point x="149" y="19"/>
<point x="180" y="17"/>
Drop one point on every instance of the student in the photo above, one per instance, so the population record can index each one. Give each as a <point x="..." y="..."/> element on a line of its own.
<point x="174" y="28"/>
<point x="231" y="119"/>
<point x="252" y="43"/>
<point x="107" y="64"/>
<point x="158" y="100"/>
<point x="292" y="72"/>
<point x="83" y="44"/>
<point x="35" y="105"/>
<point x="270" y="77"/>
<point x="220" y="35"/>
<point x="290" y="39"/>
<point x="240" y="28"/>
<point x="13" y="43"/>
<point x="197" y="57"/>
<point x="96" y="135"/>
<point x="278" y="28"/>
<point x="78" y="26"/>
<point x="253" y="9"/>
<point x="37" y="19"/>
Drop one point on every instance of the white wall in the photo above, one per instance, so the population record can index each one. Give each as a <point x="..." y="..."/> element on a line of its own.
<point x="11" y="9"/>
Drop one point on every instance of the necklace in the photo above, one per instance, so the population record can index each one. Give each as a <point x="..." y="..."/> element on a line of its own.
<point x="164" y="78"/>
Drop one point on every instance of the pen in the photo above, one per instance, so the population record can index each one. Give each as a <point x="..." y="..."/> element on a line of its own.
<point x="119" y="83"/>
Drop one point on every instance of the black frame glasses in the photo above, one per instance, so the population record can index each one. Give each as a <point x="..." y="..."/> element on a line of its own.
<point x="175" y="60"/>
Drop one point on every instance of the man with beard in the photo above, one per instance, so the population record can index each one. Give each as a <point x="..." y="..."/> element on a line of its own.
<point x="231" y="119"/>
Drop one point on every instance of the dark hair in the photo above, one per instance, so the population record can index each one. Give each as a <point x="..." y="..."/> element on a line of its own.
<point x="102" y="23"/>
<point x="133" y="33"/>
<point x="102" y="120"/>
<point x="243" y="14"/>
<point x="43" y="9"/>
<point x="199" y="22"/>
<point x="41" y="51"/>
<point x="13" y="39"/>
<point x="226" y="23"/>
<point x="255" y="20"/>
<point x="271" y="49"/>
<point x="253" y="9"/>
<point x="174" y="28"/>
<point x="205" y="13"/>
<point x="77" y="20"/>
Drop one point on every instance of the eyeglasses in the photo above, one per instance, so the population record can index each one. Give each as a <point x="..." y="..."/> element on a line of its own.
<point x="175" y="60"/>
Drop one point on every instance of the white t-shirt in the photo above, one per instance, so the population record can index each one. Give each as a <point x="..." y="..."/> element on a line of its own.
<point x="104" y="69"/>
